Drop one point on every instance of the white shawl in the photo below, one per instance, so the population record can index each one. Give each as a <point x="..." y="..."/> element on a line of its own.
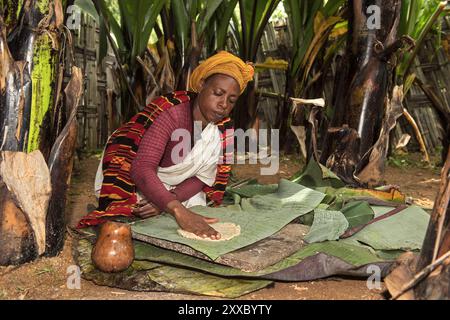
<point x="200" y="162"/>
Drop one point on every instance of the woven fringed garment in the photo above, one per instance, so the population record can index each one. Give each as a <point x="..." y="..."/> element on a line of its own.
<point x="118" y="192"/>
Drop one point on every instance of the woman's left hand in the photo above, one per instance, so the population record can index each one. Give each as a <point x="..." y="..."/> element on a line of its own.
<point x="145" y="209"/>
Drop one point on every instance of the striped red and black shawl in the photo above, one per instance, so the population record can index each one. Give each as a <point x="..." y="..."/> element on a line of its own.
<point x="118" y="192"/>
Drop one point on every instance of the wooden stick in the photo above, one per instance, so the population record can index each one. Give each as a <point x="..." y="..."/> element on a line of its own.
<point x="418" y="134"/>
<point x="421" y="275"/>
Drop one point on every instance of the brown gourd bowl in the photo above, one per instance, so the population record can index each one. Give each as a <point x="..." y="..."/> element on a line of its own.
<point x="113" y="251"/>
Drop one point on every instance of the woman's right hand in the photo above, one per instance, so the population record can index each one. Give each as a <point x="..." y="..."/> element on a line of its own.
<point x="193" y="222"/>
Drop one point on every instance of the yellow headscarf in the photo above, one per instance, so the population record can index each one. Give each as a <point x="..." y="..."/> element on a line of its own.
<point x="225" y="63"/>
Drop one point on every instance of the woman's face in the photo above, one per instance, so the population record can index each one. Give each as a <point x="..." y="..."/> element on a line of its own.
<point x="217" y="97"/>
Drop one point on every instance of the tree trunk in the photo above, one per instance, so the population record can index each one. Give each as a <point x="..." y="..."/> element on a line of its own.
<point x="437" y="285"/>
<point x="427" y="276"/>
<point x="15" y="98"/>
<point x="25" y="190"/>
<point x="35" y="40"/>
<point x="437" y="243"/>
<point x="17" y="240"/>
<point x="33" y="186"/>
<point x="60" y="165"/>
<point x="287" y="143"/>
<point x="245" y="111"/>
<point x="193" y="58"/>
<point x="365" y="74"/>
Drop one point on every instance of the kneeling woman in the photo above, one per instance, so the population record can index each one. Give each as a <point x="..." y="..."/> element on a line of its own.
<point x="140" y="174"/>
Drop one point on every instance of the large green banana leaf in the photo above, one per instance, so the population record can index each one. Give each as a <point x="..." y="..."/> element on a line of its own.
<point x="259" y="218"/>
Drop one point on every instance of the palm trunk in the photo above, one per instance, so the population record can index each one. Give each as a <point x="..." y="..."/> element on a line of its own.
<point x="365" y="83"/>
<point x="437" y="243"/>
<point x="16" y="88"/>
<point x="427" y="277"/>
<point x="32" y="115"/>
<point x="195" y="51"/>
<point x="29" y="42"/>
<point x="60" y="164"/>
<point x="283" y="113"/>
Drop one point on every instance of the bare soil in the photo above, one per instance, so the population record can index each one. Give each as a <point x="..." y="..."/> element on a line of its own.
<point x="46" y="278"/>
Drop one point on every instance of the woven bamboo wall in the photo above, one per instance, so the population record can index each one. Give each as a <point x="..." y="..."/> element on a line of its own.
<point x="273" y="81"/>
<point x="93" y="113"/>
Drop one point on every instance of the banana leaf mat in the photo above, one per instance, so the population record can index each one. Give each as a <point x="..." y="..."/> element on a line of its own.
<point x="319" y="253"/>
<point x="161" y="270"/>
<point x="158" y="269"/>
<point x="259" y="217"/>
<point x="314" y="261"/>
<point x="254" y="257"/>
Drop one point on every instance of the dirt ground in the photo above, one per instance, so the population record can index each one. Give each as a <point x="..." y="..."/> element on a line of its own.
<point x="46" y="278"/>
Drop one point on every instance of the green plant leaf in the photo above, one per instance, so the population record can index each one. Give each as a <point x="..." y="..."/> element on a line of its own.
<point x="315" y="175"/>
<point x="332" y="7"/>
<point x="255" y="217"/>
<point x="292" y="9"/>
<point x="87" y="6"/>
<point x="402" y="27"/>
<point x="149" y="23"/>
<point x="357" y="213"/>
<point x="223" y="20"/>
<point x="145" y="275"/>
<point x="327" y="225"/>
<point x="205" y="16"/>
<point x="408" y="82"/>
<point x="114" y="26"/>
<point x="192" y="7"/>
<point x="103" y="41"/>
<point x="311" y="176"/>
<point x="252" y="190"/>
<point x="403" y="231"/>
<point x="254" y="18"/>
<point x="182" y="25"/>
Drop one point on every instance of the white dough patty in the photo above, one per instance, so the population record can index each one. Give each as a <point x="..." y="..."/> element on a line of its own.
<point x="227" y="230"/>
